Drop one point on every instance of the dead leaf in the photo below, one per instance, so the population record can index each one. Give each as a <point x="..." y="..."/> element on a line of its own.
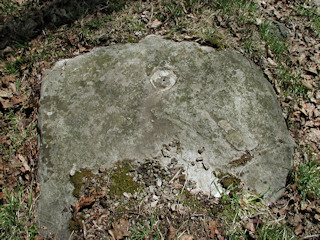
<point x="297" y="219"/>
<point x="303" y="206"/>
<point x="120" y="230"/>
<point x="310" y="107"/>
<point x="172" y="233"/>
<point x="312" y="70"/>
<point x="13" y="87"/>
<point x="2" y="197"/>
<point x="268" y="73"/>
<point x="301" y="59"/>
<point x="6" y="51"/>
<point x="83" y="202"/>
<point x="38" y="237"/>
<point x="273" y="63"/>
<point x="317" y="208"/>
<point x="307" y="84"/>
<point x="24" y="162"/>
<point x="212" y="229"/>
<point x="19" y="99"/>
<point x="313" y="135"/>
<point x="250" y="226"/>
<point x="186" y="237"/>
<point x="316" y="113"/>
<point x="5" y="93"/>
<point x="156" y="24"/>
<point x="6" y="103"/>
<point x="299" y="230"/>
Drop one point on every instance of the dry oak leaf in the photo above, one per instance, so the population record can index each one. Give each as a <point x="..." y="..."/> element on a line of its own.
<point x="19" y="99"/>
<point x="6" y="103"/>
<point x="5" y="93"/>
<point x="186" y="237"/>
<point x="250" y="226"/>
<point x="313" y="135"/>
<point x="83" y="202"/>
<point x="172" y="233"/>
<point x="119" y="230"/>
<point x="299" y="230"/>
<point x="24" y="162"/>
<point x="156" y="24"/>
<point x="297" y="219"/>
<point x="213" y="229"/>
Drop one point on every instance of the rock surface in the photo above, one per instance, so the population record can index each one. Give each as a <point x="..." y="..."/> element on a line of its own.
<point x="211" y="111"/>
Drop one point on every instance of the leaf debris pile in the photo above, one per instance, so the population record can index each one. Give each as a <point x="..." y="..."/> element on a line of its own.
<point x="161" y="207"/>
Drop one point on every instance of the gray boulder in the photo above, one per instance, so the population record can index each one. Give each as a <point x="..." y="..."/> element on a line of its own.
<point x="126" y="101"/>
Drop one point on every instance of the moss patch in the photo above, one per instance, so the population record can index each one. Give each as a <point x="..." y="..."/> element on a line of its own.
<point x="80" y="179"/>
<point x="75" y="225"/>
<point x="227" y="180"/>
<point x="217" y="41"/>
<point x="121" y="180"/>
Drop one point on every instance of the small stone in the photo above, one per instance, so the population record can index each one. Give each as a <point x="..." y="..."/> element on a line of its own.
<point x="258" y="21"/>
<point x="159" y="182"/>
<point x="153" y="204"/>
<point x="201" y="150"/>
<point x="195" y="191"/>
<point x="175" y="207"/>
<point x="174" y="161"/>
<point x="127" y="195"/>
<point x="155" y="197"/>
<point x="165" y="153"/>
<point x="152" y="188"/>
<point x="102" y="169"/>
<point x="73" y="170"/>
<point x="199" y="159"/>
<point x="205" y="166"/>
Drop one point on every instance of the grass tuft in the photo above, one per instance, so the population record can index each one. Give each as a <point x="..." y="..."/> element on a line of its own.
<point x="149" y="230"/>
<point x="16" y="216"/>
<point x="308" y="179"/>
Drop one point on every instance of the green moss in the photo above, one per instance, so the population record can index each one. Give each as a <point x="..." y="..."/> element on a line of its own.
<point x="132" y="40"/>
<point x="80" y="179"/>
<point x="189" y="200"/>
<point x="75" y="225"/>
<point x="216" y="41"/>
<point x="227" y="180"/>
<point x="121" y="180"/>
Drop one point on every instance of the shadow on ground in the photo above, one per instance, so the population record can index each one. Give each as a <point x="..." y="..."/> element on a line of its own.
<point x="50" y="15"/>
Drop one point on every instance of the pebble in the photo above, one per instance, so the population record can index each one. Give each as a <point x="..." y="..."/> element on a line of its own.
<point x="153" y="204"/>
<point x="159" y="182"/>
<point x="201" y="150"/>
<point x="127" y="195"/>
<point x="205" y="166"/>
<point x="174" y="161"/>
<point x="165" y="153"/>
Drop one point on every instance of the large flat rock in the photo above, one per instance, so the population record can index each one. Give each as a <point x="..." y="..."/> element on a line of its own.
<point x="126" y="101"/>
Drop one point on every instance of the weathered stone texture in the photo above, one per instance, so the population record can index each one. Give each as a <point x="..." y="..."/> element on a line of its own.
<point x="126" y="101"/>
